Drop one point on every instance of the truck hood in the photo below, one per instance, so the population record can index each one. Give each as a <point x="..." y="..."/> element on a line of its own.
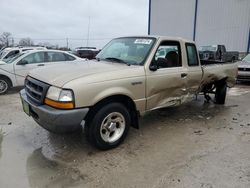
<point x="59" y="75"/>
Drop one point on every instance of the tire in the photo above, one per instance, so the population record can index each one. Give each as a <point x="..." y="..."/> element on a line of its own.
<point x="109" y="126"/>
<point x="220" y="93"/>
<point x="5" y="85"/>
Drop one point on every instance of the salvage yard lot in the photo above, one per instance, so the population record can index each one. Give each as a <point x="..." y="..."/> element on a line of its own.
<point x="194" y="145"/>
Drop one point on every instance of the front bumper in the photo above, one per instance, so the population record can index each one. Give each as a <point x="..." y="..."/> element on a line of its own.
<point x="55" y="120"/>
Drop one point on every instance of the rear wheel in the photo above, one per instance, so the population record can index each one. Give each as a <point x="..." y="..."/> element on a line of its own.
<point x="220" y="93"/>
<point x="4" y="85"/>
<point x="109" y="126"/>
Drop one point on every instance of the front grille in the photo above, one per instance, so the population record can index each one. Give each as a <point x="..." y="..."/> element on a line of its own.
<point x="35" y="90"/>
<point x="244" y="69"/>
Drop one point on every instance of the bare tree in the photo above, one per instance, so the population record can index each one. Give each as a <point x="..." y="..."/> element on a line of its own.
<point x="5" y="39"/>
<point x="26" y="42"/>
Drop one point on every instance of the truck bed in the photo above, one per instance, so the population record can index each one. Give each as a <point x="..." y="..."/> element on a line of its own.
<point x="218" y="70"/>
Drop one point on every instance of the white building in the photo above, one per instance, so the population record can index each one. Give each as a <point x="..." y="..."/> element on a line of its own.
<point x="205" y="21"/>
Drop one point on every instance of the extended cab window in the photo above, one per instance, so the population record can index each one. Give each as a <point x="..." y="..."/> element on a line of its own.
<point x="192" y="55"/>
<point x="168" y="55"/>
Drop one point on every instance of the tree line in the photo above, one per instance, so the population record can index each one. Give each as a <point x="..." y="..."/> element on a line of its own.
<point x="6" y="40"/>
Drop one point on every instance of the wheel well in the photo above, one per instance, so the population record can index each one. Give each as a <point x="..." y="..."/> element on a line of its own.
<point x="6" y="77"/>
<point x="208" y="87"/>
<point x="222" y="81"/>
<point x="123" y="99"/>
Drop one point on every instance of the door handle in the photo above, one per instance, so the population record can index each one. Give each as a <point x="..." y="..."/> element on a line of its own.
<point x="39" y="65"/>
<point x="184" y="75"/>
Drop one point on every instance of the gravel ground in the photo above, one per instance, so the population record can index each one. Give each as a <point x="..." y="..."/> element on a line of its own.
<point x="195" y="145"/>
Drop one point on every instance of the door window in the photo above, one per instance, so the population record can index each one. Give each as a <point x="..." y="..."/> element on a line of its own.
<point x="192" y="55"/>
<point x="69" y="57"/>
<point x="168" y="55"/>
<point x="37" y="57"/>
<point x="56" y="56"/>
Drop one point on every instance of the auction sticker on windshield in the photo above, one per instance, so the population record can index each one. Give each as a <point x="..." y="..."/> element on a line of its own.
<point x="143" y="41"/>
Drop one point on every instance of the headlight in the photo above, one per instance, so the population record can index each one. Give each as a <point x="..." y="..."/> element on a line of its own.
<point x="66" y="96"/>
<point x="60" y="98"/>
<point x="53" y="93"/>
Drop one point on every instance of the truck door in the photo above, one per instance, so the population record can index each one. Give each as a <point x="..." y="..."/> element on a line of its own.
<point x="166" y="79"/>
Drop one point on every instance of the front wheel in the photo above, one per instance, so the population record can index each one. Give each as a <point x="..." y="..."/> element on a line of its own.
<point x="109" y="126"/>
<point x="4" y="85"/>
<point x="220" y="93"/>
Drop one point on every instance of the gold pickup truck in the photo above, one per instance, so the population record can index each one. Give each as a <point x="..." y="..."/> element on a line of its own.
<point x="130" y="76"/>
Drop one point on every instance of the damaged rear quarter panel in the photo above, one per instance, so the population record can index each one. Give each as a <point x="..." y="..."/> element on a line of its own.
<point x="217" y="72"/>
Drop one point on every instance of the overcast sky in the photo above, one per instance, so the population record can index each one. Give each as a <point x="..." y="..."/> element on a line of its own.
<point x="54" y="21"/>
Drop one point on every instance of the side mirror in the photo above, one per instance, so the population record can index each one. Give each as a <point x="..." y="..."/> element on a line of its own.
<point x="153" y="67"/>
<point x="23" y="62"/>
<point x="160" y="62"/>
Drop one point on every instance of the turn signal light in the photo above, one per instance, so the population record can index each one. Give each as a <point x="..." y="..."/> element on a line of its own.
<point x="60" y="105"/>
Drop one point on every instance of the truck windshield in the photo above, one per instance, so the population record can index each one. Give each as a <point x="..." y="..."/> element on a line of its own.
<point x="128" y="50"/>
<point x="209" y="48"/>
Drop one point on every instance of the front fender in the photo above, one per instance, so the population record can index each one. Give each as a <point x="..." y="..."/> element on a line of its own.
<point x="110" y="92"/>
<point x="89" y="94"/>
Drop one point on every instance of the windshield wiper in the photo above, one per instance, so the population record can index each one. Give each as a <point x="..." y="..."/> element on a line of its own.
<point x="117" y="60"/>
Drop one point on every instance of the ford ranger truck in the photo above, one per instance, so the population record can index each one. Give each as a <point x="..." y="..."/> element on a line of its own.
<point x="129" y="77"/>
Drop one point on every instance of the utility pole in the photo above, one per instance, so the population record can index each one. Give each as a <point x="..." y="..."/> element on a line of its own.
<point x="12" y="40"/>
<point x="67" y="42"/>
<point x="88" y="32"/>
<point x="7" y="41"/>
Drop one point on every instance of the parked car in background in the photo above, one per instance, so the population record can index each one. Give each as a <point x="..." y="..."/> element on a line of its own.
<point x="13" y="51"/>
<point x="244" y="69"/>
<point x="86" y="52"/>
<point x="218" y="52"/>
<point x="14" y="70"/>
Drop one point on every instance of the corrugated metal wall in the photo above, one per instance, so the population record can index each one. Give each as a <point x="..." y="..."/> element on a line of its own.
<point x="223" y="22"/>
<point x="218" y="21"/>
<point x="172" y="17"/>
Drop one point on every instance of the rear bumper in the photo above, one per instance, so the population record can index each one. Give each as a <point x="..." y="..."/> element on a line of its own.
<point x="55" y="120"/>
